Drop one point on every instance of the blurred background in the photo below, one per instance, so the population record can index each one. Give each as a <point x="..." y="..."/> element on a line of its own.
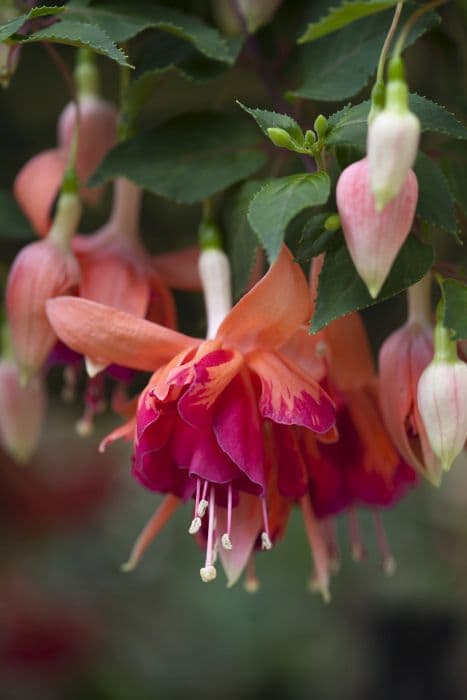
<point x="73" y="627"/>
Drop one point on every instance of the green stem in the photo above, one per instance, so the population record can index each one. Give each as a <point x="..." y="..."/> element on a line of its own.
<point x="387" y="42"/>
<point x="410" y="23"/>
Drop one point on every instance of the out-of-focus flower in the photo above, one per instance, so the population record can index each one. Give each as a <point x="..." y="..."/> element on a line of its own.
<point x="373" y="238"/>
<point x="234" y="17"/>
<point x="442" y="399"/>
<point x="392" y="142"/>
<point x="199" y="420"/>
<point x="41" y="271"/>
<point x="403" y="357"/>
<point x="22" y="412"/>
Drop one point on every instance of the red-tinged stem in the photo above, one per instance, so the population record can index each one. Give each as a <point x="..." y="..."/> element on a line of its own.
<point x="162" y="514"/>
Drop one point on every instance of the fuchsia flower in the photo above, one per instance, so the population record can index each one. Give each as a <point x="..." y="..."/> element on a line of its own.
<point x="373" y="238"/>
<point x="403" y="357"/>
<point x="22" y="412"/>
<point x="442" y="399"/>
<point x="38" y="182"/>
<point x="199" y="424"/>
<point x="41" y="270"/>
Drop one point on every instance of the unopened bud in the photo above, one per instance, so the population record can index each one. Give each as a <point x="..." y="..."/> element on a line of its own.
<point x="321" y="126"/>
<point x="248" y="14"/>
<point x="280" y="137"/>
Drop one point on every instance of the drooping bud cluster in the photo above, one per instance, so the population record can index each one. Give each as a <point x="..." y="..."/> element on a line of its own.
<point x="233" y="16"/>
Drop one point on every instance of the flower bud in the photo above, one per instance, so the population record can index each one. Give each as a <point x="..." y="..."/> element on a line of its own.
<point x="252" y="14"/>
<point x="442" y="399"/>
<point x="373" y="238"/>
<point x="392" y="144"/>
<point x="22" y="412"/>
<point x="97" y="135"/>
<point x="280" y="137"/>
<point x="214" y="271"/>
<point x="41" y="271"/>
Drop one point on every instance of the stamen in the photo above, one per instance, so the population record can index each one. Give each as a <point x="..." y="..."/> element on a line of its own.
<point x="195" y="526"/>
<point x="252" y="582"/>
<point x="357" y="545"/>
<point x="389" y="563"/>
<point x="208" y="572"/>
<point x="203" y="504"/>
<point x="225" y="539"/>
<point x="319" y="550"/>
<point x="265" y="535"/>
<point x="329" y="527"/>
<point x="162" y="514"/>
<point x="198" y="492"/>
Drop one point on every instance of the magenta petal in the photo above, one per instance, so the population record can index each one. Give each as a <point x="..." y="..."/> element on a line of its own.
<point x="158" y="472"/>
<point x="290" y="397"/>
<point x="212" y="374"/>
<point x="292" y="478"/>
<point x="238" y="430"/>
<point x="210" y="463"/>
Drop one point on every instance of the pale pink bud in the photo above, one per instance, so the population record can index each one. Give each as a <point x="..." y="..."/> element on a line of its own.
<point x="252" y="14"/>
<point x="392" y="144"/>
<point x="214" y="271"/>
<point x="22" y="412"/>
<point x="41" y="271"/>
<point x="97" y="135"/>
<point x="442" y="401"/>
<point x="373" y="238"/>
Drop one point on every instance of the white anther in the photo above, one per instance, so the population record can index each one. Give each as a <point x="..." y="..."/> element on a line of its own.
<point x="314" y="586"/>
<point x="195" y="526"/>
<point x="251" y="584"/>
<point x="226" y="543"/>
<point x="389" y="565"/>
<point x="265" y="541"/>
<point x="84" y="427"/>
<point x="202" y="507"/>
<point x="208" y="573"/>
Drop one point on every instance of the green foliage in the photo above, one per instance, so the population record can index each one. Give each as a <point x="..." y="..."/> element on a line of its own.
<point x="10" y="28"/>
<point x="188" y="158"/>
<point x="455" y="307"/>
<point x="342" y="15"/>
<point x="315" y="238"/>
<point x="341" y="290"/>
<point x="456" y="175"/>
<point x="278" y="202"/>
<point x="123" y="22"/>
<point x="273" y="120"/>
<point x="337" y="67"/>
<point x="435" y="203"/>
<point x="241" y="241"/>
<point x="80" y="34"/>
<point x="348" y="127"/>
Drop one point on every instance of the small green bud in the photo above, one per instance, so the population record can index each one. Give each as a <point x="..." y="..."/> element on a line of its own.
<point x="321" y="126"/>
<point x="209" y="235"/>
<point x="280" y="137"/>
<point x="333" y="223"/>
<point x="310" y="138"/>
<point x="396" y="69"/>
<point x="378" y="98"/>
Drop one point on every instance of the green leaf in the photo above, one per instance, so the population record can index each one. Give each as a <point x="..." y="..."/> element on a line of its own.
<point x="343" y="15"/>
<point x="80" y="34"/>
<point x="122" y="22"/>
<point x="435" y="203"/>
<point x="278" y="202"/>
<point x="339" y="66"/>
<point x="14" y="25"/>
<point x="13" y="224"/>
<point x="315" y="239"/>
<point x="455" y="307"/>
<point x="274" y="120"/>
<point x="341" y="290"/>
<point x="349" y="125"/>
<point x="188" y="158"/>
<point x="241" y="241"/>
<point x="456" y="175"/>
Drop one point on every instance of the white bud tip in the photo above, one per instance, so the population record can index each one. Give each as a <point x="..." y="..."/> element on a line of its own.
<point x="265" y="541"/>
<point x="84" y="428"/>
<point x="374" y="289"/>
<point x="315" y="586"/>
<point x="208" y="573"/>
<point x="202" y="507"/>
<point x="226" y="543"/>
<point x="389" y="566"/>
<point x="195" y="526"/>
<point x="252" y="584"/>
<point x="93" y="368"/>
